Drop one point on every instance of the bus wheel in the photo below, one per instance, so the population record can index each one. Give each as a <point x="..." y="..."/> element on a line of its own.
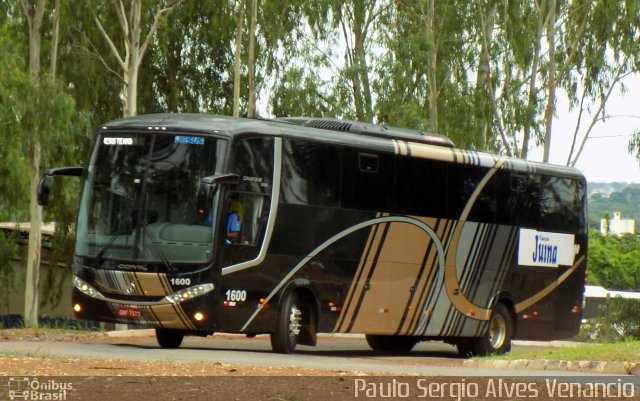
<point x="384" y="343"/>
<point x="285" y="337"/>
<point x="169" y="338"/>
<point x="497" y="339"/>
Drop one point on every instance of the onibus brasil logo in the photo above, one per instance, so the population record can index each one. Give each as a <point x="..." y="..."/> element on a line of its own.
<point x="33" y="389"/>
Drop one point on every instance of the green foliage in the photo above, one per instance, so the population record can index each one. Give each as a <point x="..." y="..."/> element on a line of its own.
<point x="619" y="321"/>
<point x="188" y="66"/>
<point x="628" y="351"/>
<point x="36" y="112"/>
<point x="625" y="318"/>
<point x="300" y="95"/>
<point x="8" y="250"/>
<point x="614" y="262"/>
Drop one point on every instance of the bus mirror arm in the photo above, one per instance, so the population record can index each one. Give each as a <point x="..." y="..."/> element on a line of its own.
<point x="205" y="193"/>
<point x="46" y="180"/>
<point x="223" y="179"/>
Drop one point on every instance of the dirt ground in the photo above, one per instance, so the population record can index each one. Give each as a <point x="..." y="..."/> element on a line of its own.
<point x="90" y="379"/>
<point x="20" y="365"/>
<point x="23" y="377"/>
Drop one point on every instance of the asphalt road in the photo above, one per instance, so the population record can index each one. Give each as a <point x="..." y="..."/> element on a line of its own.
<point x="346" y="354"/>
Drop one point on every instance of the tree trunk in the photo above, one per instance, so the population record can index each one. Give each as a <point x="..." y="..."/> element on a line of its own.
<point x="55" y="39"/>
<point x="360" y="59"/>
<point x="533" y="90"/>
<point x="251" y="104"/>
<point x="135" y="48"/>
<point x="34" y="14"/>
<point x="135" y="58"/>
<point x="132" y="91"/>
<point x="35" y="245"/>
<point x="237" y="59"/>
<point x="483" y="75"/>
<point x="429" y="21"/>
<point x="551" y="86"/>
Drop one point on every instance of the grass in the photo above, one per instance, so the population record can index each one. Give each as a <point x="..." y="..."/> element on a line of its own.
<point x="628" y="351"/>
<point x="50" y="333"/>
<point x="37" y="354"/>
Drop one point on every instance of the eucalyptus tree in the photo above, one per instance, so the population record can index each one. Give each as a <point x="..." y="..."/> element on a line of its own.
<point x="541" y="48"/>
<point x="606" y="57"/>
<point x="239" y="10"/>
<point x="271" y="46"/>
<point x="40" y="125"/>
<point x="34" y="15"/>
<point x="423" y="76"/>
<point x="135" y="42"/>
<point x="353" y="28"/>
<point x="190" y="61"/>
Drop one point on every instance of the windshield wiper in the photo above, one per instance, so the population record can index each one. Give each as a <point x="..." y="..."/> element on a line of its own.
<point x="105" y="248"/>
<point x="171" y="268"/>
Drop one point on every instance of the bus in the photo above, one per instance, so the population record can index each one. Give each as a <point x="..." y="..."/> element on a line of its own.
<point x="194" y="224"/>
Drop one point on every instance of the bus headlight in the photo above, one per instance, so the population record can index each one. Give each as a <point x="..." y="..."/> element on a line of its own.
<point x="84" y="288"/>
<point x="189" y="293"/>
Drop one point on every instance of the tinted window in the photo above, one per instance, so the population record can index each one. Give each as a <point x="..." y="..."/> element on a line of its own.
<point x="253" y="160"/>
<point x="311" y="174"/>
<point x="561" y="207"/>
<point x="517" y="198"/>
<point x="463" y="180"/>
<point x="364" y="187"/>
<point x="140" y="197"/>
<point x="422" y="187"/>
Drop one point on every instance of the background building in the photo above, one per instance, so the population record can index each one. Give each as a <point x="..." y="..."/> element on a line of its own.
<point x="617" y="225"/>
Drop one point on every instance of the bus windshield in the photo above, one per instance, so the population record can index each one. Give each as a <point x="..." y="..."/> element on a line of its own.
<point x="140" y="199"/>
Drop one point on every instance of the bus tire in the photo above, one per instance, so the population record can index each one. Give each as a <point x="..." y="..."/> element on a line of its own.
<point x="169" y="338"/>
<point x="286" y="335"/>
<point x="497" y="339"/>
<point x="386" y="343"/>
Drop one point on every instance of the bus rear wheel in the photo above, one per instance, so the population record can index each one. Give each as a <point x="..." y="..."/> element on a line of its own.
<point x="169" y="338"/>
<point x="388" y="343"/>
<point x="497" y="339"/>
<point x="287" y="333"/>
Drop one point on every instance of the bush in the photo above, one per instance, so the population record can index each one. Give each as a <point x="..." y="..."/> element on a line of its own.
<point x="624" y="315"/>
<point x="623" y="318"/>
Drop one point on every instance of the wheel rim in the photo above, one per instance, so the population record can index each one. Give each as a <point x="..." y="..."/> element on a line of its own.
<point x="497" y="331"/>
<point x="295" y="319"/>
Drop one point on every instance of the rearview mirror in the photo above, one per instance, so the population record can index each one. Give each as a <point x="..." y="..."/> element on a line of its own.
<point x="44" y="187"/>
<point x="46" y="180"/>
<point x="206" y="190"/>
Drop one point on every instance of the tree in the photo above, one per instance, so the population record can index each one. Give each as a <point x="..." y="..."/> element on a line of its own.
<point x="423" y="74"/>
<point x="34" y="13"/>
<point x="614" y="262"/>
<point x="251" y="61"/>
<point x="189" y="61"/>
<point x="135" y="46"/>
<point x="237" y="54"/>
<point x="39" y="121"/>
<point x="357" y="19"/>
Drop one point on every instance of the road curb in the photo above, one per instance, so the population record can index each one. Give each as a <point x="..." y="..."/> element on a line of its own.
<point x="612" y="368"/>
<point x="132" y="333"/>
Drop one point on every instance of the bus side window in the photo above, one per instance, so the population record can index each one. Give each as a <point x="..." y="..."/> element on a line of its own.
<point x="245" y="216"/>
<point x="368" y="181"/>
<point x="252" y="160"/>
<point x="310" y="174"/>
<point x="422" y="187"/>
<point x="368" y="163"/>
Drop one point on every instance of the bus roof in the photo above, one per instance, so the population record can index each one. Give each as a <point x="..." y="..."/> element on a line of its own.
<point x="342" y="132"/>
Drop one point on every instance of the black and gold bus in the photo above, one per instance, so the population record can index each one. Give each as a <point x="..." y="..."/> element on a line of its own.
<point x="195" y="224"/>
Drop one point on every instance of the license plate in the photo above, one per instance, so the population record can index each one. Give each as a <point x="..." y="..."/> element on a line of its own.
<point x="129" y="312"/>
